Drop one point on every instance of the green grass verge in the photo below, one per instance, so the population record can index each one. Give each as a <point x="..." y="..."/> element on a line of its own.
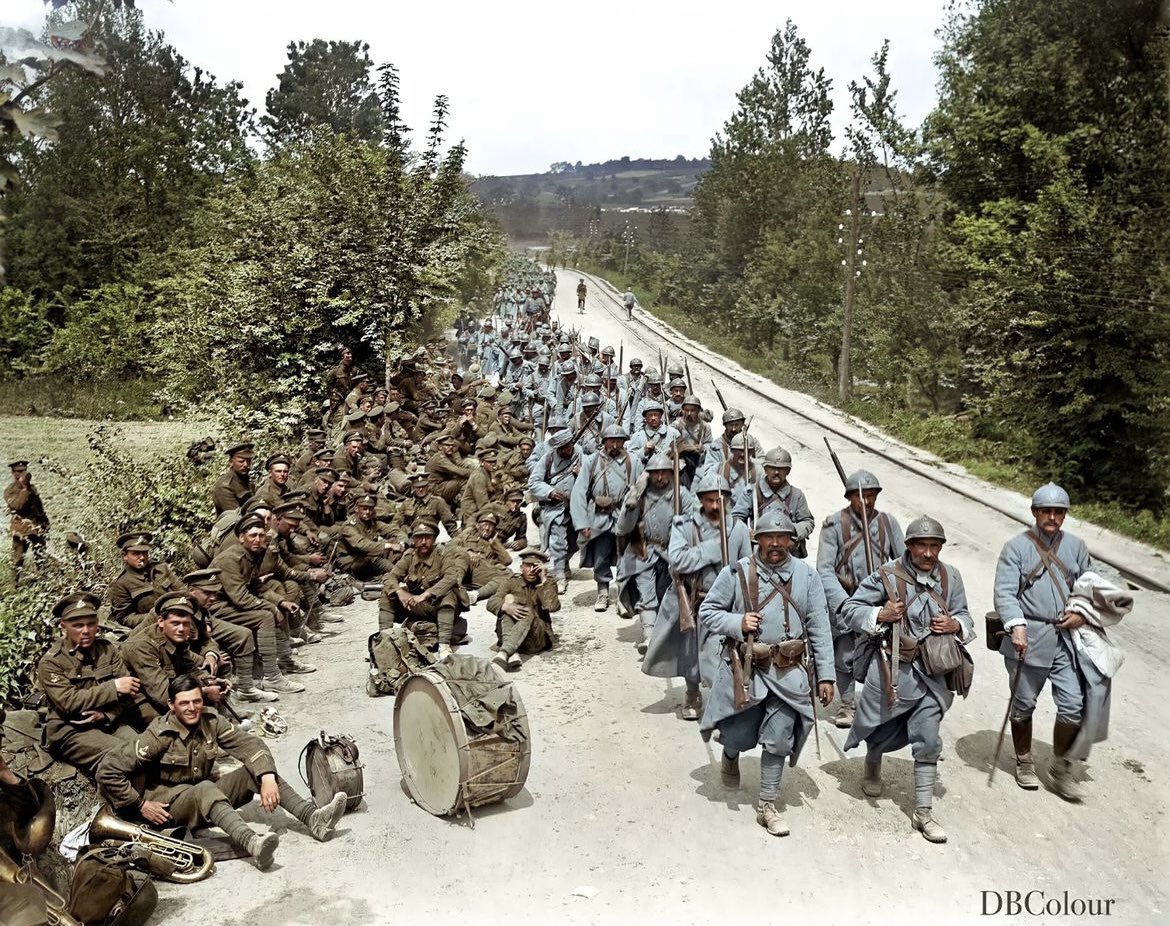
<point x="946" y="436"/>
<point x="129" y="400"/>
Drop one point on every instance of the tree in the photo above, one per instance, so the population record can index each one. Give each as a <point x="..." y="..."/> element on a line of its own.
<point x="1050" y="140"/>
<point x="139" y="148"/>
<point x="333" y="240"/>
<point x="324" y="83"/>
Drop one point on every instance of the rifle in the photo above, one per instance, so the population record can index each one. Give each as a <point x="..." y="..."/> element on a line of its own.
<point x="895" y="629"/>
<point x="687" y="369"/>
<point x="743" y="688"/>
<point x="661" y="366"/>
<point x="719" y="396"/>
<point x="686" y="616"/>
<point x="747" y="470"/>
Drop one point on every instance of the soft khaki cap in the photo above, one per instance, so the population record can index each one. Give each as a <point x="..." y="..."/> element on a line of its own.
<point x="77" y="605"/>
<point x="204" y="578"/>
<point x="135" y="541"/>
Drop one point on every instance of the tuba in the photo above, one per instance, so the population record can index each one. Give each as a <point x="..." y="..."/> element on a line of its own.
<point x="56" y="908"/>
<point x="192" y="863"/>
<point x="32" y="833"/>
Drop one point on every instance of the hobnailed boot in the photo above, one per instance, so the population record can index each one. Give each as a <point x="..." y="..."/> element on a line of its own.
<point x="562" y="584"/>
<point x="729" y="771"/>
<point x="1064" y="781"/>
<point x="323" y="820"/>
<point x="1025" y="766"/>
<point x="843" y="719"/>
<point x="871" y="784"/>
<point x="693" y="706"/>
<point x="602" y="602"/>
<point x="770" y="818"/>
<point x="924" y="821"/>
<point x="261" y="848"/>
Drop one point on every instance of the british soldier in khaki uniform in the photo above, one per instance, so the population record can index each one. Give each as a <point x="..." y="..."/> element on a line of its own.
<point x="234" y="487"/>
<point x="488" y="560"/>
<point x="140" y="584"/>
<point x="423" y="591"/>
<point x="422" y="506"/>
<point x="481" y="488"/>
<point x="161" y="653"/>
<point x="29" y="525"/>
<point x="221" y="644"/>
<point x="163" y="777"/>
<point x="94" y="700"/>
<point x="275" y="484"/>
<point x="363" y="545"/>
<point x="525" y="604"/>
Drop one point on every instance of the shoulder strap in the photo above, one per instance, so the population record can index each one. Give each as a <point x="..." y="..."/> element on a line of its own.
<point x="1053" y="565"/>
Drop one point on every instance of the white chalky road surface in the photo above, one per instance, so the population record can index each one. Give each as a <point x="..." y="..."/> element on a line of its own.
<point x="623" y="801"/>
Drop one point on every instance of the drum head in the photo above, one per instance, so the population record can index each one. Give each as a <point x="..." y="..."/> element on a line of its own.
<point x="431" y="742"/>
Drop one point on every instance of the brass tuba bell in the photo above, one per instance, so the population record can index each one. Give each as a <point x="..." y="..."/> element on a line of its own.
<point x="56" y="908"/>
<point x="192" y="863"/>
<point x="32" y="835"/>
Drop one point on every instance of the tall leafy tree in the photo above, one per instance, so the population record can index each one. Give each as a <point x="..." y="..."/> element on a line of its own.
<point x="1050" y="140"/>
<point x="138" y="150"/>
<point x="324" y="84"/>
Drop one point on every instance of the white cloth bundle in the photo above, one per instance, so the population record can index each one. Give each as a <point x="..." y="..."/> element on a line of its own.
<point x="1102" y="604"/>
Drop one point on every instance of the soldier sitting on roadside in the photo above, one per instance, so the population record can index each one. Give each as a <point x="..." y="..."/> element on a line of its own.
<point x="132" y="595"/>
<point x="525" y="604"/>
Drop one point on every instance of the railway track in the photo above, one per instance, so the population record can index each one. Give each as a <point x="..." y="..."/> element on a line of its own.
<point x="712" y="361"/>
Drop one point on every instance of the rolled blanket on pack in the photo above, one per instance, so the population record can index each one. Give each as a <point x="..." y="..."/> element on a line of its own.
<point x="1102" y="604"/>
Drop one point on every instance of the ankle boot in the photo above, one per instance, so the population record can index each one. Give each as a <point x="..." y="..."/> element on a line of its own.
<point x="261" y="848"/>
<point x="1062" y="769"/>
<point x="1025" y="767"/>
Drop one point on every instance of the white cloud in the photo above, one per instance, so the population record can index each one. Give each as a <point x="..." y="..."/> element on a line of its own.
<point x="535" y="82"/>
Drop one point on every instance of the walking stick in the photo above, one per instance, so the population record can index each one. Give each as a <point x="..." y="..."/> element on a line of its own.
<point x="1006" y="717"/>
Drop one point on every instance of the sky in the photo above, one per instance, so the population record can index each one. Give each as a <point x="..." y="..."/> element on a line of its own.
<point x="533" y="82"/>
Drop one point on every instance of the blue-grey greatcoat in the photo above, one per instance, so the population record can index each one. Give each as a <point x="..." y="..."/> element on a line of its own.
<point x="720" y="449"/>
<point x="646" y="524"/>
<point x="549" y="474"/>
<point x="607" y="477"/>
<point x="922" y="699"/>
<point x="788" y="499"/>
<point x="779" y="700"/>
<point x="662" y="438"/>
<point x="1027" y="593"/>
<point x="695" y="555"/>
<point x="634" y="415"/>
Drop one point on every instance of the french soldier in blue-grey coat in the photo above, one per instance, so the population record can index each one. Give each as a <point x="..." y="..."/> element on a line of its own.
<point x="921" y="596"/>
<point x="695" y="556"/>
<point x="644" y="521"/>
<point x="551" y="486"/>
<point x="597" y="496"/>
<point x="1033" y="578"/>
<point x="842" y="562"/>
<point x="776" y="604"/>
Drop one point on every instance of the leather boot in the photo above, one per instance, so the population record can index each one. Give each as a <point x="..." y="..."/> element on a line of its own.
<point x="322" y="821"/>
<point x="1025" y="767"/>
<point x="1062" y="771"/>
<point x="693" y="706"/>
<point x="770" y="818"/>
<point x="729" y="771"/>
<point x="924" y="821"/>
<point x="871" y="784"/>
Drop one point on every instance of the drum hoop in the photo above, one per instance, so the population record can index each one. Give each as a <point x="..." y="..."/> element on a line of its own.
<point x="436" y="687"/>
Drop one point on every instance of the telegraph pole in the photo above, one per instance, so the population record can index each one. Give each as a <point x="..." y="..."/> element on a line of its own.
<point x="852" y="250"/>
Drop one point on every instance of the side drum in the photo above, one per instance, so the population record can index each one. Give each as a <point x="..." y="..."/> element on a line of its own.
<point x="448" y="766"/>
<point x="330" y="764"/>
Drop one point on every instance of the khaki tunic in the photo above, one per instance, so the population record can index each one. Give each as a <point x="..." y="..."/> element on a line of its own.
<point x="447" y="476"/>
<point x="157" y="662"/>
<point x="486" y="559"/>
<point x="432" y="509"/>
<point x="533" y="634"/>
<point x="271" y="493"/>
<point x="479" y="492"/>
<point x="132" y="595"/>
<point x="230" y="492"/>
<point x="172" y="759"/>
<point x="76" y="682"/>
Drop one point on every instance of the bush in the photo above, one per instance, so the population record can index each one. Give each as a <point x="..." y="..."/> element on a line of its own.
<point x="106" y="336"/>
<point x="24" y="329"/>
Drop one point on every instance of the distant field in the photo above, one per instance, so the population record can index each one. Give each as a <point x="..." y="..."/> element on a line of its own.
<point x="63" y="444"/>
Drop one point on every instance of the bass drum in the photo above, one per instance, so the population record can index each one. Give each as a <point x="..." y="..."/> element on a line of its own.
<point x="446" y="767"/>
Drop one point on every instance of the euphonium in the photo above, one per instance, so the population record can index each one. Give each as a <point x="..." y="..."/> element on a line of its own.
<point x="32" y="836"/>
<point x="192" y="863"/>
<point x="55" y="906"/>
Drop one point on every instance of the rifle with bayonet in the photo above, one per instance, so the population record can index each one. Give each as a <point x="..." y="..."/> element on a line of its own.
<point x="719" y="395"/>
<point x="890" y="669"/>
<point x="686" y="614"/>
<point x="687" y="370"/>
<point x="743" y="690"/>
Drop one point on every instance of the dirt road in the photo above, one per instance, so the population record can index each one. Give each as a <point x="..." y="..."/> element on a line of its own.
<point x="623" y="803"/>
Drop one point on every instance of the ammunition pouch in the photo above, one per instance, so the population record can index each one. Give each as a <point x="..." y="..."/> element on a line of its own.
<point x="781" y="655"/>
<point x="941" y="653"/>
<point x="993" y="630"/>
<point x="907" y="647"/>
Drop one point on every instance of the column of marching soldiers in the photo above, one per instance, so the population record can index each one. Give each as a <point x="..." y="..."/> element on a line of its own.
<point x="697" y="534"/>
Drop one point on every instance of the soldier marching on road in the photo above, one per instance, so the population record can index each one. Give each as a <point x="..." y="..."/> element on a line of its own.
<point x="770" y="609"/>
<point x="844" y="558"/>
<point x="901" y="702"/>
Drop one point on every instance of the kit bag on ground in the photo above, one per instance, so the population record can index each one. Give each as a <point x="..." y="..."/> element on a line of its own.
<point x="110" y="893"/>
<point x="395" y="655"/>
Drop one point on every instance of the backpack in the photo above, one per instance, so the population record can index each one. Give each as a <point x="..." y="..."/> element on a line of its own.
<point x="395" y="655"/>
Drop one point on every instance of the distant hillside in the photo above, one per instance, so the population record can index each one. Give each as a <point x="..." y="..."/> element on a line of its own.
<point x="529" y="206"/>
